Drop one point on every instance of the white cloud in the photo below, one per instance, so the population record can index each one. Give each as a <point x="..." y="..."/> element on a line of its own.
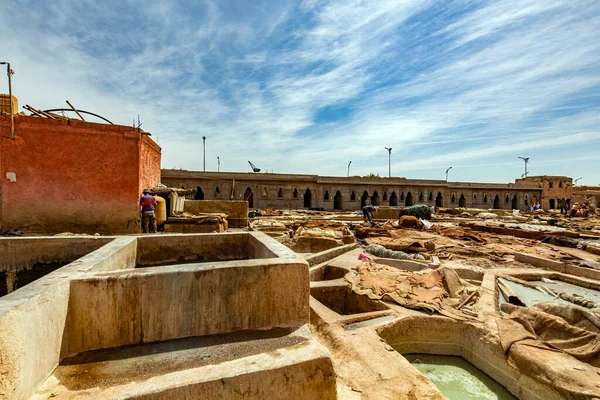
<point x="506" y="77"/>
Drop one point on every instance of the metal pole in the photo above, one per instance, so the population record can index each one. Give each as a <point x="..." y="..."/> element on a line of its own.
<point x="204" y="149"/>
<point x="12" y="120"/>
<point x="389" y="149"/>
<point x="447" y="173"/>
<point x="349" y="162"/>
<point x="218" y="164"/>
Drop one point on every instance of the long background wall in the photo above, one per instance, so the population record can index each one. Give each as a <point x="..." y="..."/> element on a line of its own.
<point x="279" y="191"/>
<point x="73" y="175"/>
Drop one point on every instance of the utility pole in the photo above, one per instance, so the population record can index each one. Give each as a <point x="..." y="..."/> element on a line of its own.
<point x="526" y="159"/>
<point x="9" y="72"/>
<point x="349" y="162"/>
<point x="447" y="173"/>
<point x="204" y="157"/>
<point x="389" y="149"/>
<point x="218" y="164"/>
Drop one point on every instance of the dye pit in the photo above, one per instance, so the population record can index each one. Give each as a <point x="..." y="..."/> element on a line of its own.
<point x="457" y="379"/>
<point x="531" y="296"/>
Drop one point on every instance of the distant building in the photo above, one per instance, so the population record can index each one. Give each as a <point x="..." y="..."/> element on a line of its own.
<point x="75" y="176"/>
<point x="554" y="188"/>
<point x="290" y="191"/>
<point x="583" y="194"/>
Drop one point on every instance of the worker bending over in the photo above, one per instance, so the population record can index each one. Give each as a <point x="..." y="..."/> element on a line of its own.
<point x="367" y="213"/>
<point x="148" y="204"/>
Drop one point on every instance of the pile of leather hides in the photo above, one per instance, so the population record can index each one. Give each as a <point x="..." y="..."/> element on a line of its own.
<point x="434" y="290"/>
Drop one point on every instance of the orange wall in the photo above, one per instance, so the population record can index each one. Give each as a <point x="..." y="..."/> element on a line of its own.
<point x="72" y="176"/>
<point x="149" y="163"/>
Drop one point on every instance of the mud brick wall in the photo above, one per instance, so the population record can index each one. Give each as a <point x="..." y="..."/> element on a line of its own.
<point x="74" y="176"/>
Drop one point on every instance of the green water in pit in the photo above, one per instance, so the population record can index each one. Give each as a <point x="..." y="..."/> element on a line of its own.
<point x="458" y="379"/>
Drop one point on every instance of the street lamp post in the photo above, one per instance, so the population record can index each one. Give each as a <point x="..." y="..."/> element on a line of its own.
<point x="576" y="180"/>
<point x="526" y="159"/>
<point x="349" y="162"/>
<point x="204" y="150"/>
<point x="9" y="72"/>
<point x="218" y="164"/>
<point x="449" y="168"/>
<point x="389" y="149"/>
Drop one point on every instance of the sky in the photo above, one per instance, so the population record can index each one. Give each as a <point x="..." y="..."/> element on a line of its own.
<point x="307" y="86"/>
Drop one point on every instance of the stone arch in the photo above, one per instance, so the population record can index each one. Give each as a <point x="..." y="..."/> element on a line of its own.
<point x="462" y="202"/>
<point x="280" y="193"/>
<point x="249" y="197"/>
<point x="326" y="195"/>
<point x="430" y="198"/>
<point x="337" y="201"/>
<point x="439" y="200"/>
<point x="295" y="193"/>
<point x="375" y="198"/>
<point x="485" y="198"/>
<point x="421" y="197"/>
<point x="364" y="198"/>
<point x="199" y="194"/>
<point x="453" y="198"/>
<point x="408" y="201"/>
<point x="402" y="196"/>
<point x="385" y="197"/>
<point x="515" y="202"/>
<point x="526" y="200"/>
<point x="353" y="196"/>
<point x="496" y="202"/>
<point x="217" y="192"/>
<point x="307" y="199"/>
<point x="393" y="200"/>
<point x="265" y="192"/>
<point x="474" y="198"/>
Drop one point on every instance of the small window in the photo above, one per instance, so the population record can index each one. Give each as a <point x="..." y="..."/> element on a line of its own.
<point x="280" y="193"/>
<point x="421" y="196"/>
<point x="402" y="196"/>
<point x="485" y="198"/>
<point x="295" y="194"/>
<point x="217" y="192"/>
<point x="384" y="196"/>
<point x="474" y="198"/>
<point x="560" y="184"/>
<point x="353" y="196"/>
<point x="430" y="196"/>
<point x="265" y="193"/>
<point x="453" y="198"/>
<point x="550" y="185"/>
<point x="507" y="199"/>
<point x="326" y="195"/>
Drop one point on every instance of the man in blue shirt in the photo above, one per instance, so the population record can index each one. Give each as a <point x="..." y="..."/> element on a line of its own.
<point x="148" y="204"/>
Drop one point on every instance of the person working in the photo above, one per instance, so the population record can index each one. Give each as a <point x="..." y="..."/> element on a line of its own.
<point x="367" y="213"/>
<point x="148" y="204"/>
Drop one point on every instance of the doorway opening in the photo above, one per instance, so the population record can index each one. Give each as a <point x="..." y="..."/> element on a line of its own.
<point x="393" y="200"/>
<point x="199" y="194"/>
<point x="408" y="202"/>
<point x="249" y="197"/>
<point x="307" y="199"/>
<point x="337" y="201"/>
<point x="439" y="200"/>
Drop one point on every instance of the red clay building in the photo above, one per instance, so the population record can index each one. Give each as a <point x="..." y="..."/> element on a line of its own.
<point x="74" y="176"/>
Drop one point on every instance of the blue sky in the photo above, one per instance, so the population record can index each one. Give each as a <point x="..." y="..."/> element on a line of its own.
<point x="306" y="86"/>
